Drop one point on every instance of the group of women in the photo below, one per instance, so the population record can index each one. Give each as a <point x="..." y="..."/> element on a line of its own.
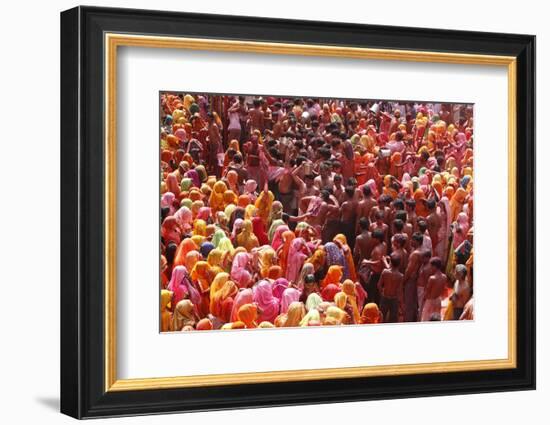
<point x="237" y="254"/>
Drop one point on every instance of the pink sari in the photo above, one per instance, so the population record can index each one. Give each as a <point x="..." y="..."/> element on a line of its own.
<point x="242" y="298"/>
<point x="289" y="296"/>
<point x="239" y="274"/>
<point x="297" y="254"/>
<point x="269" y="305"/>
<point x="181" y="287"/>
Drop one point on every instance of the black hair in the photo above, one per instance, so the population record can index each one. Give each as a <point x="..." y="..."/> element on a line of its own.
<point x="350" y="191"/>
<point x="395" y="259"/>
<point x="325" y="195"/>
<point x="378" y="234"/>
<point x="437" y="263"/>
<point x="401" y="215"/>
<point x="430" y="203"/>
<point x="364" y="223"/>
<point x="422" y="225"/>
<point x="398" y="204"/>
<point x="398" y="225"/>
<point x="418" y="238"/>
<point x="238" y="158"/>
<point x="367" y="191"/>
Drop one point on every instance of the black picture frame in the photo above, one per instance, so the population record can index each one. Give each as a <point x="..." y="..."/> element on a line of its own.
<point x="82" y="212"/>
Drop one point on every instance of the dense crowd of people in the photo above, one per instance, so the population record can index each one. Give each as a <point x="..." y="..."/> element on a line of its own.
<point x="280" y="212"/>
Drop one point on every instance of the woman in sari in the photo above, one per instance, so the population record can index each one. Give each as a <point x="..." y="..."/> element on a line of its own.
<point x="278" y="287"/>
<point x="243" y="201"/>
<point x="223" y="300"/>
<point x="335" y="256"/>
<point x="334" y="276"/>
<point x="181" y="287"/>
<point x="335" y="316"/>
<point x="246" y="238"/>
<point x="250" y="190"/>
<point x="216" y="201"/>
<point x="287" y="238"/>
<point x="203" y="276"/>
<point x="348" y="288"/>
<point x="167" y="201"/>
<point x="264" y="203"/>
<point x="214" y="259"/>
<point x="269" y="305"/>
<point x="312" y="318"/>
<point x="313" y="300"/>
<point x="260" y="231"/>
<point x="170" y="230"/>
<point x="217" y="284"/>
<point x="239" y="270"/>
<point x="289" y="296"/>
<point x="294" y="315"/>
<point x="184" y="315"/>
<point x="266" y="259"/>
<point x="457" y="202"/>
<point x="329" y="291"/>
<point x="232" y="181"/>
<point x="275" y="233"/>
<point x="275" y="215"/>
<point x="295" y="260"/>
<point x="349" y="271"/>
<point x="184" y="247"/>
<point x="248" y="314"/>
<point x="165" y="313"/>
<point x="184" y="216"/>
<point x="243" y="297"/>
<point x="371" y="314"/>
<point x="229" y="198"/>
<point x="307" y="269"/>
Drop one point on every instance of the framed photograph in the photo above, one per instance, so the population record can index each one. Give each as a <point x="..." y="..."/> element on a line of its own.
<point x="260" y="212"/>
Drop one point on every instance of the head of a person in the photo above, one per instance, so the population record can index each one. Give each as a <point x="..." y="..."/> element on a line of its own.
<point x="398" y="225"/>
<point x="309" y="179"/>
<point x="350" y="192"/>
<point x="367" y="192"/>
<point x="378" y="234"/>
<point x="398" y="204"/>
<point x="422" y="226"/>
<point x="399" y="241"/>
<point x="364" y="224"/>
<point x="437" y="264"/>
<point x="417" y="240"/>
<point x="461" y="271"/>
<point x="325" y="195"/>
<point x="395" y="260"/>
<point x="431" y="204"/>
<point x="379" y="215"/>
<point x="411" y="205"/>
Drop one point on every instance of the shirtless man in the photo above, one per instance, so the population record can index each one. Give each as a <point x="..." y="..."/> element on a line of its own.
<point x="390" y="286"/>
<point x="256" y="116"/>
<point x="324" y="180"/>
<point x="286" y="186"/>
<point x="410" y="205"/>
<point x="348" y="215"/>
<point x="399" y="242"/>
<point x="364" y="207"/>
<point x="434" y="221"/>
<point x="434" y="290"/>
<point x="462" y="291"/>
<point x="380" y="225"/>
<point x="364" y="243"/>
<point x="376" y="264"/>
<point x="423" y="276"/>
<point x="411" y="277"/>
<point x="329" y="217"/>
